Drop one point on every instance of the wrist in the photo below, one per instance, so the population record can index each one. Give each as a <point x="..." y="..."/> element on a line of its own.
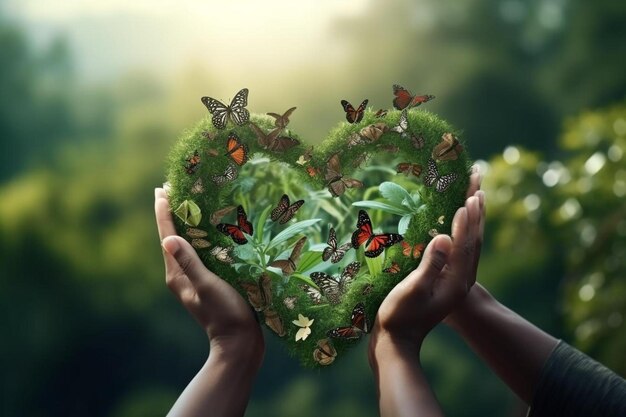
<point x="242" y="352"/>
<point x="477" y="300"/>
<point x="385" y="348"/>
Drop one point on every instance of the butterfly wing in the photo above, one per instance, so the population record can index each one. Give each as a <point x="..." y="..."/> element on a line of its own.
<point x="314" y="294"/>
<point x="237" y="151"/>
<point x="340" y="252"/>
<point x="325" y="353"/>
<point x="218" y="215"/>
<point x="394" y="268"/>
<point x="233" y="231"/>
<point x="332" y="245"/>
<point x="432" y="173"/>
<point x="403" y="124"/>
<point x="328" y="285"/>
<point x="378" y="243"/>
<point x="238" y="111"/>
<point x="363" y="230"/>
<point x="242" y="221"/>
<point x="445" y="181"/>
<point x="281" y="208"/>
<point x="417" y="100"/>
<point x="222" y="254"/>
<point x="282" y="120"/>
<point x="350" y="111"/>
<point x="290" y="211"/>
<point x="274" y="322"/>
<point x="229" y="174"/>
<point x="283" y="143"/>
<point x="360" y="111"/>
<point x="349" y="272"/>
<point x="218" y="110"/>
<point x="288" y="266"/>
<point x="359" y="318"/>
<point x="402" y="97"/>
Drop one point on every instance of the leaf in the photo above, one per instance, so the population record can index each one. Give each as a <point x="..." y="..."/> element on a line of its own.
<point x="375" y="265"/>
<point x="330" y="209"/>
<point x="305" y="280"/>
<point x="308" y="260"/>
<point x="388" y="208"/>
<point x="291" y="231"/>
<point x="245" y="252"/>
<point x="393" y="192"/>
<point x="260" y="224"/>
<point x="189" y="212"/>
<point x="403" y="224"/>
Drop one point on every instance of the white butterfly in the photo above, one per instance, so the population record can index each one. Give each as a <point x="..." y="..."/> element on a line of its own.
<point x="441" y="182"/>
<point x="222" y="254"/>
<point x="236" y="111"/>
<point x="229" y="174"/>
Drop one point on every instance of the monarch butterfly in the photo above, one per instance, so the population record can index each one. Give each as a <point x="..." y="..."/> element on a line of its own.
<point x="236" y="111"/>
<point x="272" y="141"/>
<point x="334" y="287"/>
<point x="325" y="353"/>
<point x="359" y="324"/>
<point x="332" y="252"/>
<point x="192" y="163"/>
<point x="441" y="182"/>
<point x="408" y="169"/>
<point x="236" y="150"/>
<point x="414" y="251"/>
<point x="222" y="254"/>
<point x="448" y="149"/>
<point x="352" y="115"/>
<point x="337" y="184"/>
<point x="229" y="174"/>
<point x="394" y="268"/>
<point x="284" y="212"/>
<point x="405" y="100"/>
<point x="236" y="232"/>
<point x="374" y="243"/>
<point x="282" y="121"/>
<point x="289" y="265"/>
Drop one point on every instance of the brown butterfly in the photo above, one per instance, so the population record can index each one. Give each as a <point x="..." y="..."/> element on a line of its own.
<point x="408" y="169"/>
<point x="260" y="297"/>
<point x="414" y="251"/>
<point x="374" y="131"/>
<point x="209" y="135"/>
<point x="313" y="172"/>
<point x="359" y="159"/>
<point x="325" y="353"/>
<point x="192" y="163"/>
<point x="223" y="254"/>
<point x="337" y="184"/>
<point x="333" y="251"/>
<point x="289" y="265"/>
<point x="405" y="100"/>
<point x="394" y="268"/>
<point x="197" y="186"/>
<point x="218" y="215"/>
<point x="448" y="149"/>
<point x="367" y="289"/>
<point x="197" y="238"/>
<point x="213" y="152"/>
<point x="272" y="141"/>
<point x="381" y="113"/>
<point x="356" y="139"/>
<point x="282" y="121"/>
<point x="352" y="115"/>
<point x="285" y="211"/>
<point x="290" y="302"/>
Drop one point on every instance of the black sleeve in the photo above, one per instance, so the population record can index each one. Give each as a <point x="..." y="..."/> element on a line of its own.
<point x="572" y="384"/>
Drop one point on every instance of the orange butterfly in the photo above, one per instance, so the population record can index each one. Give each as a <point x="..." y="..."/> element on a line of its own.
<point x="375" y="244"/>
<point x="192" y="163"/>
<point x="312" y="171"/>
<point x="416" y="250"/>
<point x="394" y="268"/>
<point x="405" y="100"/>
<point x="408" y="169"/>
<point x="354" y="115"/>
<point x="236" y="150"/>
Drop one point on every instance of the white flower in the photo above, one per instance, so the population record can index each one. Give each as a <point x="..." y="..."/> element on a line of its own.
<point x="304" y="323"/>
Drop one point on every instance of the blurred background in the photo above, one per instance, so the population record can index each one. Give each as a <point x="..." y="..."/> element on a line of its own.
<point x="94" y="93"/>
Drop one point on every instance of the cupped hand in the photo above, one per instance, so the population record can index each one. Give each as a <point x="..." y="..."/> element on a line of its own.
<point x="443" y="279"/>
<point x="226" y="317"/>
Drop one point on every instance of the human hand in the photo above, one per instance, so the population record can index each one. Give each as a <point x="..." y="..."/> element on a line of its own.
<point x="226" y="317"/>
<point x="442" y="280"/>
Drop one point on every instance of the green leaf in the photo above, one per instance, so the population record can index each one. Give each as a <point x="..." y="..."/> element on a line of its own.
<point x="291" y="231"/>
<point x="375" y="265"/>
<point x="189" y="212"/>
<point x="305" y="280"/>
<point x="403" y="224"/>
<point x="260" y="224"/>
<point x="330" y="209"/>
<point x="308" y="260"/>
<point x="393" y="192"/>
<point x="388" y="208"/>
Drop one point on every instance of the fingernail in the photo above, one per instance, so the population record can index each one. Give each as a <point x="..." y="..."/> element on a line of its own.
<point x="170" y="245"/>
<point x="475" y="169"/>
<point x="441" y="248"/>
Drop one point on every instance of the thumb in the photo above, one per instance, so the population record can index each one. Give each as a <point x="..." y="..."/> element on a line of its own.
<point x="435" y="258"/>
<point x="186" y="258"/>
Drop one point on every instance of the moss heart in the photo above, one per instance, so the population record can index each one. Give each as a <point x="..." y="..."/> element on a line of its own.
<point x="316" y="237"/>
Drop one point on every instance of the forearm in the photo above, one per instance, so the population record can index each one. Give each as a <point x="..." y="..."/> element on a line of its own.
<point x="402" y="387"/>
<point x="221" y="387"/>
<point x="514" y="349"/>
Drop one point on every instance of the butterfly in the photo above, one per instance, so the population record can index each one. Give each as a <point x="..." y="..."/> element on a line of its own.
<point x="288" y="266"/>
<point x="229" y="174"/>
<point x="217" y="215"/>
<point x="290" y="302"/>
<point x="312" y="171"/>
<point x="284" y="212"/>
<point x="282" y="121"/>
<point x="408" y="169"/>
<point x="334" y="287"/>
<point x="236" y="111"/>
<point x="337" y="184"/>
<point x="394" y="268"/>
<point x="197" y="238"/>
<point x="314" y="294"/>
<point x="448" y="149"/>
<point x="352" y="115"/>
<point x="236" y="231"/>
<point x="356" y="139"/>
<point x="405" y="100"/>
<point x="223" y="254"/>
<point x="441" y="182"/>
<point x="260" y="297"/>
<point x="272" y="141"/>
<point x="212" y="152"/>
<point x="197" y="187"/>
<point x="403" y="129"/>
<point x="332" y="252"/>
<point x="325" y="353"/>
<point x="374" y="131"/>
<point x="305" y="157"/>
<point x="209" y="135"/>
<point x="381" y="113"/>
<point x="359" y="324"/>
<point x="415" y="251"/>
<point x="236" y="150"/>
<point x="374" y="243"/>
<point x="192" y="163"/>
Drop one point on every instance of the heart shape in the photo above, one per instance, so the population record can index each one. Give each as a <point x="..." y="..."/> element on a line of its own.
<point x="296" y="229"/>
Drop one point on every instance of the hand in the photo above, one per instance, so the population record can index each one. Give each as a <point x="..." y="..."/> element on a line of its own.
<point x="443" y="278"/>
<point x="225" y="316"/>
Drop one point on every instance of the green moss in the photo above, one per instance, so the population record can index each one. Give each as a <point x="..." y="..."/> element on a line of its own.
<point x="268" y="175"/>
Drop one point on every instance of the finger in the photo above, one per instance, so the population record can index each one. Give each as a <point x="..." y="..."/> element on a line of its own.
<point x="435" y="257"/>
<point x="480" y="234"/>
<point x="458" y="257"/>
<point x="189" y="263"/>
<point x="165" y="223"/>
<point x="474" y="183"/>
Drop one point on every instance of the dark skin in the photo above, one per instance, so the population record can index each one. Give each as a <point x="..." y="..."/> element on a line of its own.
<point x="441" y="288"/>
